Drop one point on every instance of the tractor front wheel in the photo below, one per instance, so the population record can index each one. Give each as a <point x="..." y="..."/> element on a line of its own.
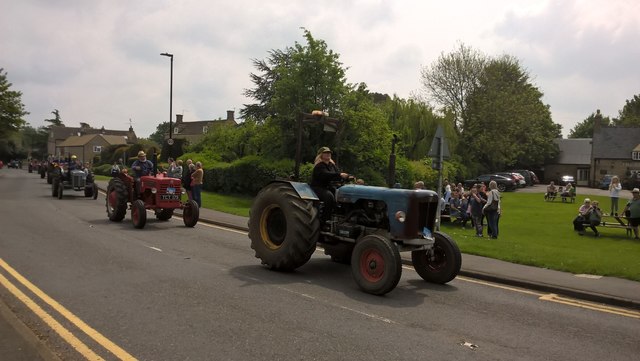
<point x="60" y="188"/>
<point x="376" y="264"/>
<point x="442" y="264"/>
<point x="117" y="196"/>
<point x="283" y="227"/>
<point x="191" y="213"/>
<point x="55" y="184"/>
<point x="138" y="214"/>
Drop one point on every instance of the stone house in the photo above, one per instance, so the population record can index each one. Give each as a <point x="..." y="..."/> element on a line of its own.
<point x="193" y="131"/>
<point x="58" y="134"/>
<point x="87" y="147"/>
<point x="573" y="159"/>
<point x="616" y="150"/>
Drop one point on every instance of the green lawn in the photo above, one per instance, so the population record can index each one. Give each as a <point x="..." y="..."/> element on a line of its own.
<point x="539" y="233"/>
<point x="532" y="232"/>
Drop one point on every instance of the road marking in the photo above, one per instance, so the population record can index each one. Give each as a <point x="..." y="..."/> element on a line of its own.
<point x="590" y="306"/>
<point x="154" y="248"/>
<point x="91" y="332"/>
<point x="222" y="228"/>
<point x="72" y="340"/>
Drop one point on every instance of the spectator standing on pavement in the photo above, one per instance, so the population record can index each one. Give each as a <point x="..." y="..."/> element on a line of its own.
<point x="614" y="192"/>
<point x="492" y="209"/>
<point x="633" y="209"/>
<point x="175" y="169"/>
<point x="196" y="183"/>
<point x="476" y="202"/>
<point x="186" y="177"/>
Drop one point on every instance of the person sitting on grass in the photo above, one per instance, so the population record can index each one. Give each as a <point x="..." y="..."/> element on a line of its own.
<point x="552" y="191"/>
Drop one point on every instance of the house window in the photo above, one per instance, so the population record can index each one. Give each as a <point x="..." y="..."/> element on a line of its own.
<point x="205" y="129"/>
<point x="97" y="148"/>
<point x="635" y="155"/>
<point x="176" y="130"/>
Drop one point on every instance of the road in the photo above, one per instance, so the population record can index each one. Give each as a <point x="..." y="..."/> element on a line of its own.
<point x="92" y="289"/>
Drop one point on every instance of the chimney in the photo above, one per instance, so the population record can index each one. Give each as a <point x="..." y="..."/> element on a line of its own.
<point x="178" y="118"/>
<point x="597" y="122"/>
<point x="230" y="115"/>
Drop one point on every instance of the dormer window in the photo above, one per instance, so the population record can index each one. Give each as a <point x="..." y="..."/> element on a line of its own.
<point x="176" y="130"/>
<point x="635" y="155"/>
<point x="205" y="129"/>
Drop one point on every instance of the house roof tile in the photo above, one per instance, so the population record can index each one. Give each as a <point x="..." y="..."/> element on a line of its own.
<point x="615" y="142"/>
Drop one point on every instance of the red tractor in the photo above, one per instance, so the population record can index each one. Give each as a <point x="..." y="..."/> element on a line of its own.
<point x="159" y="193"/>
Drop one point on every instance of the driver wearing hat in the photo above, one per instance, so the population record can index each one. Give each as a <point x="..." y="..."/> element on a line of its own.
<point x="324" y="173"/>
<point x="142" y="166"/>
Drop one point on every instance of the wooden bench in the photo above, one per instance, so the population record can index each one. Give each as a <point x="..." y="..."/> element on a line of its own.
<point x="619" y="222"/>
<point x="571" y="197"/>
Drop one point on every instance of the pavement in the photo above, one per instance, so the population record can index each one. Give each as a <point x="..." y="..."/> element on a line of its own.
<point x="19" y="343"/>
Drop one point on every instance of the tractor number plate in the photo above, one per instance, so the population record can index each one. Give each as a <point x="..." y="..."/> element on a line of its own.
<point x="169" y="197"/>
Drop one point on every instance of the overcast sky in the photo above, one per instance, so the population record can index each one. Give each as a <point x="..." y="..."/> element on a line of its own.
<point x="98" y="61"/>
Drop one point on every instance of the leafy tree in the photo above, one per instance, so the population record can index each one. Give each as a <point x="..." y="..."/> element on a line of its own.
<point x="34" y="141"/>
<point x="295" y="80"/>
<point x="629" y="115"/>
<point x="584" y="129"/>
<point x="12" y="110"/>
<point x="451" y="79"/>
<point x="507" y="125"/>
<point x="162" y="130"/>
<point x="56" y="120"/>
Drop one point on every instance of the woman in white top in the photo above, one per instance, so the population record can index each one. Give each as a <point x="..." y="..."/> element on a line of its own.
<point x="614" y="193"/>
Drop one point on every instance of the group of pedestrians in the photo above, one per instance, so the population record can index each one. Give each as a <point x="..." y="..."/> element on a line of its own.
<point x="475" y="205"/>
<point x="191" y="175"/>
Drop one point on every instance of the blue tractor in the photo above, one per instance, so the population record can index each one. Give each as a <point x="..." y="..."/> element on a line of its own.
<point x="368" y="228"/>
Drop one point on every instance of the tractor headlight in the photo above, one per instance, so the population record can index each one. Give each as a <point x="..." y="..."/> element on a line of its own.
<point x="154" y="190"/>
<point x="401" y="216"/>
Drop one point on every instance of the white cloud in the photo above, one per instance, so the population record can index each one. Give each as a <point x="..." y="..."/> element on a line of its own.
<point x="99" y="61"/>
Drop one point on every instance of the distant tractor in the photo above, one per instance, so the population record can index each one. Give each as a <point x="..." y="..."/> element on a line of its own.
<point x="76" y="180"/>
<point x="158" y="193"/>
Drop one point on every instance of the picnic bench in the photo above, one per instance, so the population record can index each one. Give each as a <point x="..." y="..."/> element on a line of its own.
<point x="566" y="197"/>
<point x="619" y="222"/>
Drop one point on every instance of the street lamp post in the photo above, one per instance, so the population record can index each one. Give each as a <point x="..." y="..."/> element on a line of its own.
<point x="170" y="94"/>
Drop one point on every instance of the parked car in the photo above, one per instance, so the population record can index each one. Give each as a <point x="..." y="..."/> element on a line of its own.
<point x="567" y="179"/>
<point x="633" y="181"/>
<point x="504" y="183"/>
<point x="606" y="181"/>
<point x="525" y="173"/>
<point x="534" y="178"/>
<point x="517" y="177"/>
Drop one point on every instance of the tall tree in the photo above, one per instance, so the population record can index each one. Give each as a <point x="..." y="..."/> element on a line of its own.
<point x="34" y="141"/>
<point x="629" y="115"/>
<point x="508" y="124"/>
<point x="451" y="79"/>
<point x="56" y="120"/>
<point x="12" y="110"/>
<point x="298" y="79"/>
<point x="584" y="129"/>
<point x="162" y="130"/>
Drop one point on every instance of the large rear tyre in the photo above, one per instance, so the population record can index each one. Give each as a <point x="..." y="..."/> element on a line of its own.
<point x="49" y="178"/>
<point x="55" y="184"/>
<point x="376" y="265"/>
<point x="283" y="228"/>
<point x="138" y="214"/>
<point x="117" y="196"/>
<point x="191" y="213"/>
<point x="95" y="191"/>
<point x="42" y="173"/>
<point x="60" y="188"/>
<point x="164" y="214"/>
<point x="442" y="264"/>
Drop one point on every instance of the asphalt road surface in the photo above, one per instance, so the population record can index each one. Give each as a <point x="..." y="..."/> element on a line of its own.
<point x="93" y="289"/>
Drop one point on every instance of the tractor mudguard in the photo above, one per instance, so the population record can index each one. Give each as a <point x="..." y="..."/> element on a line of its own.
<point x="303" y="190"/>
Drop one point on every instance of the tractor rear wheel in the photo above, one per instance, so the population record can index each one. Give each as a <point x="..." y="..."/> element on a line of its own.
<point x="190" y="213"/>
<point x="55" y="184"/>
<point x="283" y="227"/>
<point x="60" y="188"/>
<point x="49" y="178"/>
<point x="117" y="196"/>
<point x="164" y="214"/>
<point x="95" y="191"/>
<point x="138" y="213"/>
<point x="376" y="265"/>
<point x="443" y="264"/>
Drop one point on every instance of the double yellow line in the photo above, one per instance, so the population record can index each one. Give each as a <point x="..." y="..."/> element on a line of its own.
<point x="69" y="337"/>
